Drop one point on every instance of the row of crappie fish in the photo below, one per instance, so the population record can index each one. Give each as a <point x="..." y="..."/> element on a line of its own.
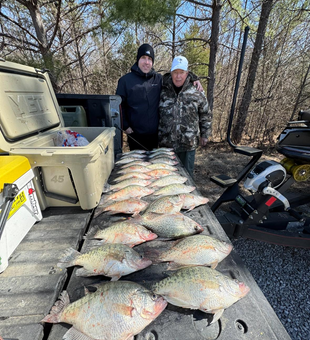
<point x="146" y="176"/>
<point x="120" y="310"/>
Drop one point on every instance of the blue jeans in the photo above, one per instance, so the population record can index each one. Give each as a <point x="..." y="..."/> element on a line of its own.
<point x="188" y="159"/>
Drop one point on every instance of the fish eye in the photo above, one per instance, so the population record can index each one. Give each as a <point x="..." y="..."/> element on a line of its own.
<point x="154" y="297"/>
<point x="196" y="228"/>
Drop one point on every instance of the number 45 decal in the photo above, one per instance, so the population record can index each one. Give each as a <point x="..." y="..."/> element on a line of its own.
<point x="58" y="179"/>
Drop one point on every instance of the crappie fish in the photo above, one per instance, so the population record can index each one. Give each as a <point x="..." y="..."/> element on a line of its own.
<point x="133" y="168"/>
<point x="116" y="311"/>
<point x="128" y="182"/>
<point x="124" y="232"/>
<point x="112" y="260"/>
<point x="169" y="154"/>
<point x="153" y="166"/>
<point x="161" y="149"/>
<point x="130" y="206"/>
<point x="128" y="159"/>
<point x="167" y="180"/>
<point x="166" y="205"/>
<point x="196" y="250"/>
<point x="135" y="163"/>
<point x="132" y="175"/>
<point x="201" y="288"/>
<point x="158" y="173"/>
<point x="131" y="191"/>
<point x="169" y="225"/>
<point x="132" y="152"/>
<point x="192" y="201"/>
<point x="164" y="160"/>
<point x="174" y="189"/>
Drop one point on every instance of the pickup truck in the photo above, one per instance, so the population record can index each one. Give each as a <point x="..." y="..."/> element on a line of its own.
<point x="32" y="282"/>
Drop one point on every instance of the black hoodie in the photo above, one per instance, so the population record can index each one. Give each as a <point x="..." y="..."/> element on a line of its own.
<point x="140" y="94"/>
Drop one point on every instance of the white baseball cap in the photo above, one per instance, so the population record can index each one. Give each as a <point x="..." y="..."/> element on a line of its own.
<point x="179" y="63"/>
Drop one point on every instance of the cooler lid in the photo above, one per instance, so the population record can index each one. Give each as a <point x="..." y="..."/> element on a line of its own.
<point x="28" y="103"/>
<point x="11" y="168"/>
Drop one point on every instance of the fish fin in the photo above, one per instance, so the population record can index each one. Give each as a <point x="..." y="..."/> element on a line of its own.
<point x="214" y="264"/>
<point x="113" y="212"/>
<point x="86" y="291"/>
<point x="190" y="208"/>
<point x="91" y="233"/>
<point x="175" y="266"/>
<point x="136" y="217"/>
<point x="115" y="278"/>
<point x="68" y="258"/>
<point x="84" y="272"/>
<point x="59" y="306"/>
<point x="74" y="334"/>
<point x="153" y="255"/>
<point x="123" y="309"/>
<point x="106" y="187"/>
<point x="98" y="211"/>
<point x="217" y="315"/>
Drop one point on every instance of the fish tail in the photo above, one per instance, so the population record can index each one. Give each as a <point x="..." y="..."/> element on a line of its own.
<point x="57" y="309"/>
<point x="153" y="255"/>
<point x="98" y="211"/>
<point x="136" y="218"/>
<point x="68" y="259"/>
<point x="84" y="272"/>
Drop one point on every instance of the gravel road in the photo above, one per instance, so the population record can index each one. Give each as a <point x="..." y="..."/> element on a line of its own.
<point x="283" y="275"/>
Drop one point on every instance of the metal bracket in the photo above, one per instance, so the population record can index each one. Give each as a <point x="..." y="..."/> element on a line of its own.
<point x="9" y="193"/>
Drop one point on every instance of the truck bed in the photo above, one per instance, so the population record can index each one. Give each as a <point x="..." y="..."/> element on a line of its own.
<point x="32" y="283"/>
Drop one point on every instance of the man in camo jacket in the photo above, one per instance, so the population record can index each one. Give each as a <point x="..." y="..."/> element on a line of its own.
<point x="184" y="115"/>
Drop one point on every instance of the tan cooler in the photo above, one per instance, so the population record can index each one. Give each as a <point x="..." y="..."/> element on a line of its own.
<point x="30" y="120"/>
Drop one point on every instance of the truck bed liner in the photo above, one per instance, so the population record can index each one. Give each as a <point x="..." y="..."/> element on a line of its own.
<point x="36" y="291"/>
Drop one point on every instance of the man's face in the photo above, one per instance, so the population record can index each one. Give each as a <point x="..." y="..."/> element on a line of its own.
<point x="145" y="64"/>
<point x="179" y="77"/>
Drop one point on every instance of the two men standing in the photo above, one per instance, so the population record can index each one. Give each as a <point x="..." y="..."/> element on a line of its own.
<point x="167" y="110"/>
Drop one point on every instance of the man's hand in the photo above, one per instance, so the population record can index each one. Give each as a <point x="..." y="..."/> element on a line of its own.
<point x="129" y="131"/>
<point x="203" y="141"/>
<point x="198" y="85"/>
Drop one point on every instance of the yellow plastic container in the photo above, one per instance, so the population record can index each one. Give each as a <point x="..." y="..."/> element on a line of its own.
<point x="25" y="210"/>
<point x="30" y="119"/>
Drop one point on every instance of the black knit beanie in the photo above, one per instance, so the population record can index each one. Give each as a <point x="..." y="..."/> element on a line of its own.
<point x="145" y="49"/>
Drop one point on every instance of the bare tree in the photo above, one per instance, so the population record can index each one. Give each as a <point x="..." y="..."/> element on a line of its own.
<point x="247" y="94"/>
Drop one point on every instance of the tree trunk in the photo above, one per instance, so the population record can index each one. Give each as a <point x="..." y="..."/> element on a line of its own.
<point x="216" y="8"/>
<point x="247" y="93"/>
<point x="302" y="87"/>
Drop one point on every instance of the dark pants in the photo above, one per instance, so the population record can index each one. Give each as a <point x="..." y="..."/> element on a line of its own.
<point x="142" y="142"/>
<point x="188" y="159"/>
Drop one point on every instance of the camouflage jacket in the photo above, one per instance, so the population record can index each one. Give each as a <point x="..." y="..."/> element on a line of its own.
<point x="183" y="117"/>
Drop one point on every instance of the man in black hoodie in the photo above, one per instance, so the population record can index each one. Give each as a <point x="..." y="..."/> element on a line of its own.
<point x="140" y="91"/>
